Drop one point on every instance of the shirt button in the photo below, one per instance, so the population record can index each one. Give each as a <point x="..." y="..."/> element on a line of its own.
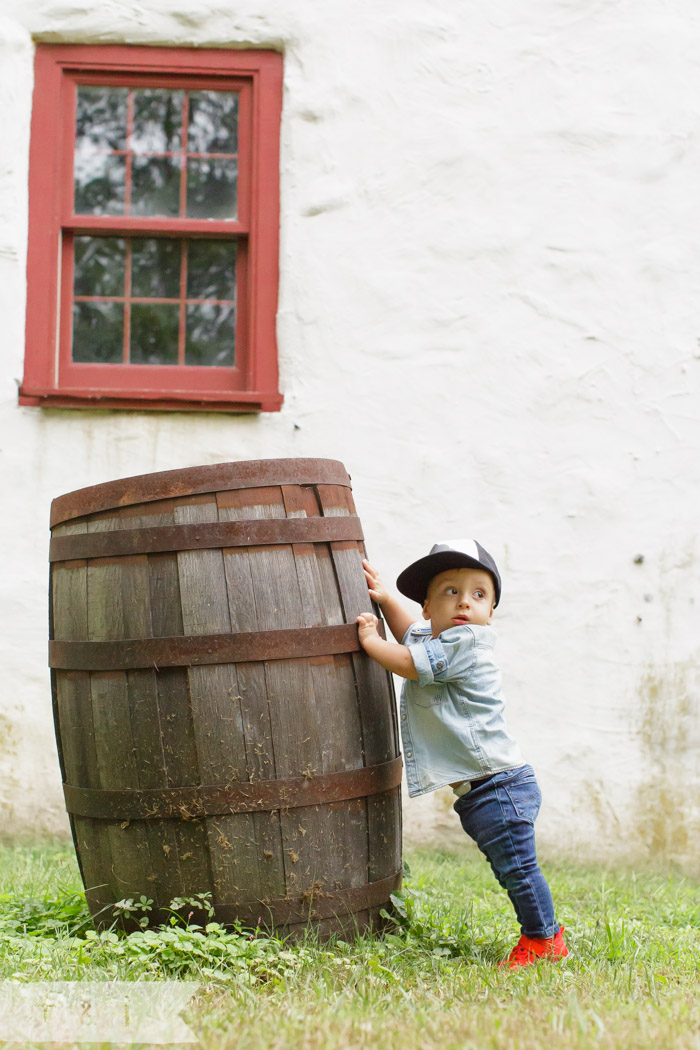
<point x="409" y="754"/>
<point x="440" y="665"/>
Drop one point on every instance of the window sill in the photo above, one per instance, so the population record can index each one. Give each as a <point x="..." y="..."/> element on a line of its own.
<point x="241" y="401"/>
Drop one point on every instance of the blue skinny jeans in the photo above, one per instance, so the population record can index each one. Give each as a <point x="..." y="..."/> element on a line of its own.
<point x="499" y="815"/>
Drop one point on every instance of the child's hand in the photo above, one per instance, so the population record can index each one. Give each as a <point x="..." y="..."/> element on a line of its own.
<point x="377" y="590"/>
<point x="367" y="626"/>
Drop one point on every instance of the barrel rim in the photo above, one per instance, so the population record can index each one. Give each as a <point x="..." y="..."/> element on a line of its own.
<point x="187" y="481"/>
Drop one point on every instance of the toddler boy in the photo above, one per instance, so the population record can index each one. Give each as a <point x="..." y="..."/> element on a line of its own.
<point x="453" y="727"/>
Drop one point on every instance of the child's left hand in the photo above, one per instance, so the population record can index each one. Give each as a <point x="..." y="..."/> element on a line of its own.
<point x="377" y="590"/>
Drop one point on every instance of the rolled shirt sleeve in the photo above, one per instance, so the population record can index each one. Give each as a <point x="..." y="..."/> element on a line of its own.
<point x="423" y="663"/>
<point x="449" y="656"/>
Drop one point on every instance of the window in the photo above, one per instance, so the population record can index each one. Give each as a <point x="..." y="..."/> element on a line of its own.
<point x="153" y="226"/>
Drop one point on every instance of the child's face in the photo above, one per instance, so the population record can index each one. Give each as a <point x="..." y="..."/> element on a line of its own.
<point x="459" y="596"/>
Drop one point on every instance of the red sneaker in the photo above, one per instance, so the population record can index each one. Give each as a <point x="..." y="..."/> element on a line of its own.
<point x="530" y="949"/>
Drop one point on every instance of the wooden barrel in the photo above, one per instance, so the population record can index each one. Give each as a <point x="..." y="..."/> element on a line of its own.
<point x="219" y="728"/>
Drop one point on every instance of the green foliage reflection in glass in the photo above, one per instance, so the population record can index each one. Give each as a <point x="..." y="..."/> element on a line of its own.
<point x="135" y="147"/>
<point x="98" y="333"/>
<point x="100" y="144"/>
<point x="155" y="268"/>
<point x="154" y="334"/>
<point x="154" y="301"/>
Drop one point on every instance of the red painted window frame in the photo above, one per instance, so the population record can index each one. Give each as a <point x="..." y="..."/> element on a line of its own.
<point x="51" y="378"/>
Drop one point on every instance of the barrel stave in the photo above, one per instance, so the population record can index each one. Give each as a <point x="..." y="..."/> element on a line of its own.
<point x="69" y="591"/>
<point x="188" y="852"/>
<point x="141" y="516"/>
<point x="164" y="595"/>
<point x="79" y="759"/>
<point x="260" y="750"/>
<point x="126" y="843"/>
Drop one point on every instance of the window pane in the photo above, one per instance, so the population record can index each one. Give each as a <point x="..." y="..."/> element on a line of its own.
<point x="213" y="122"/>
<point x="98" y="332"/>
<point x="211" y="188"/>
<point x="99" y="266"/>
<point x="99" y="173"/>
<point x="154" y="334"/>
<point x="211" y="334"/>
<point x="101" y="117"/>
<point x="157" y="120"/>
<point x="211" y="270"/>
<point x="155" y="268"/>
<point x="155" y="186"/>
<point x="99" y="183"/>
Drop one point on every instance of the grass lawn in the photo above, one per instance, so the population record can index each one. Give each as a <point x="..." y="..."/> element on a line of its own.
<point x="632" y="980"/>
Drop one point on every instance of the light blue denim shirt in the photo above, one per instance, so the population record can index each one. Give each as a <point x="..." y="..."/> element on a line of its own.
<point x="452" y="723"/>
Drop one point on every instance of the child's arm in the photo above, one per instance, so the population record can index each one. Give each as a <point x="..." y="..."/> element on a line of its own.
<point x="392" y="657"/>
<point x="398" y="618"/>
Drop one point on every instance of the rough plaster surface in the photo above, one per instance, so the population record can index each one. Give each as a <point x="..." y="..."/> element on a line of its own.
<point x="490" y="261"/>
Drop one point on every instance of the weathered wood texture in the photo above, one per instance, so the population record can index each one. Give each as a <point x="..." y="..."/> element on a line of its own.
<point x="158" y="728"/>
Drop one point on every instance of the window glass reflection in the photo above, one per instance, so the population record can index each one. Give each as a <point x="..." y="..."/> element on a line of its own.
<point x="211" y="270"/>
<point x="99" y="266"/>
<point x="165" y="318"/>
<point x="98" y="332"/>
<point x="155" y="267"/>
<point x="211" y="334"/>
<point x="213" y="122"/>
<point x="212" y="188"/>
<point x="100" y="173"/>
<point x="157" y="120"/>
<point x="100" y="180"/>
<point x="155" y="188"/>
<point x="129" y="152"/>
<point x="100" y="118"/>
<point x="154" y="334"/>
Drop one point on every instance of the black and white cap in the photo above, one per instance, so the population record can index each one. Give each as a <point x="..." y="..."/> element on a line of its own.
<point x="449" y="554"/>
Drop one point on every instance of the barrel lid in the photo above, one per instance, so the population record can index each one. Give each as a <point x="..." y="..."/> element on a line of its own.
<point x="213" y="477"/>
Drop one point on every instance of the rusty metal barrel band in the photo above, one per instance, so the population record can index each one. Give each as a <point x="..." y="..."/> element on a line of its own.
<point x="203" y="536"/>
<point x="319" y="905"/>
<point x="193" y="803"/>
<point x="189" y="481"/>
<point x="134" y="654"/>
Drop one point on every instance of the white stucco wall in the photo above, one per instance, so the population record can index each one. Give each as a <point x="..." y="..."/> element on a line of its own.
<point x="490" y="263"/>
